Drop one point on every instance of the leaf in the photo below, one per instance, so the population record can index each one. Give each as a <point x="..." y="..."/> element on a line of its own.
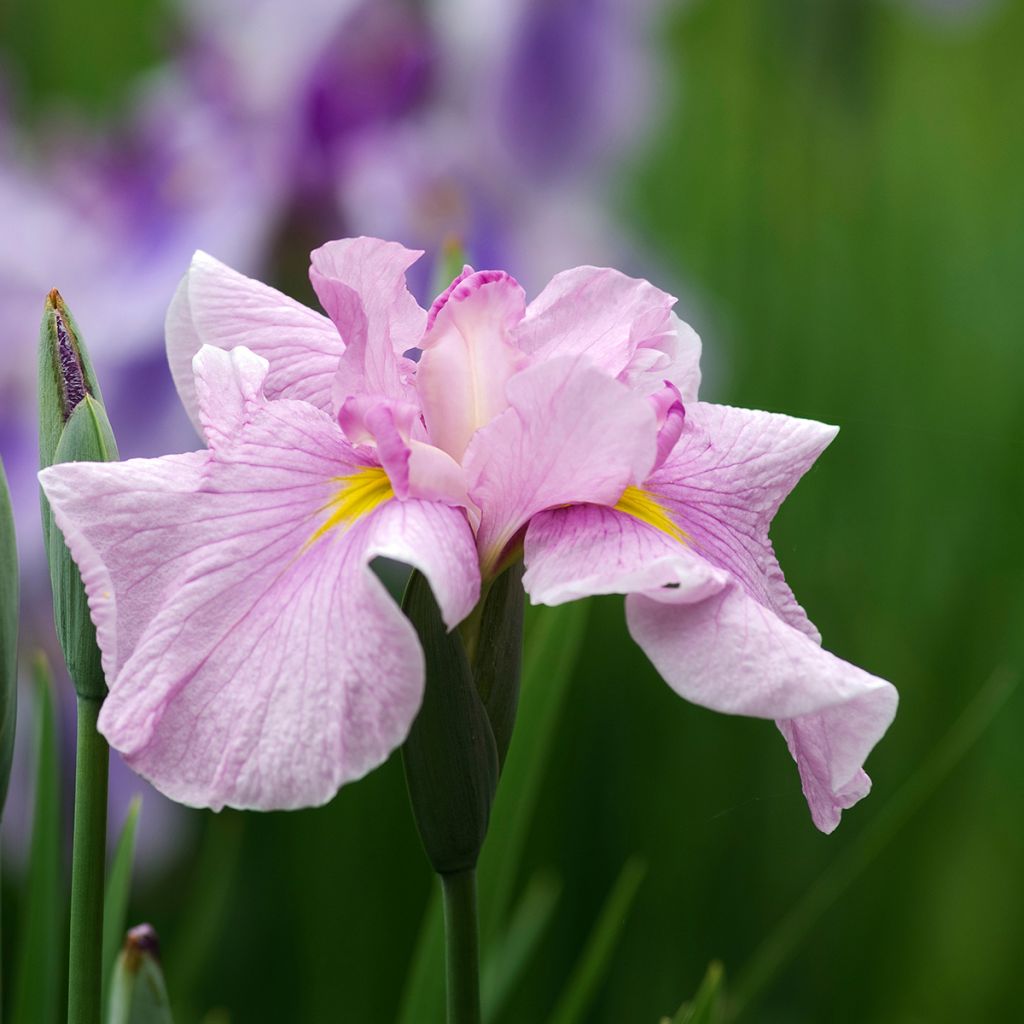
<point x="118" y="888"/>
<point x="138" y="994"/>
<point x="590" y="968"/>
<point x="552" y="647"/>
<point x="553" y="640"/>
<point x="8" y="636"/>
<point x="706" y="1006"/>
<point x="451" y="764"/>
<point x="37" y="986"/>
<point x="505" y="961"/>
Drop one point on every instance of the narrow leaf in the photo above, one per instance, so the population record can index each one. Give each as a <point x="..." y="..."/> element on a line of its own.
<point x="508" y="957"/>
<point x="706" y="1006"/>
<point x="589" y="971"/>
<point x="451" y="764"/>
<point x="138" y="994"/>
<point x="118" y="888"/>
<point x="37" y="987"/>
<point x="8" y="636"/>
<point x="552" y="647"/>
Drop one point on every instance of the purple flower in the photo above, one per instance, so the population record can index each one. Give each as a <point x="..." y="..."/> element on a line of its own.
<point x="253" y="658"/>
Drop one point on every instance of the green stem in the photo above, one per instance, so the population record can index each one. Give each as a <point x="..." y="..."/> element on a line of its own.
<point x="462" y="947"/>
<point x="87" y="868"/>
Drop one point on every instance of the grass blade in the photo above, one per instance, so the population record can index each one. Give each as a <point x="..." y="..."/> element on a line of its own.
<point x="590" y="968"/>
<point x="706" y="1006"/>
<point x="38" y="989"/>
<point x="507" y="958"/>
<point x="115" y="902"/>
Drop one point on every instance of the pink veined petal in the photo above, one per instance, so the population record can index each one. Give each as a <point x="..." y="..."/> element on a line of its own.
<point x="723" y="484"/>
<point x="731" y="654"/>
<point x="468" y="357"/>
<point x="672" y="356"/>
<point x="251" y="662"/>
<point x="594" y="312"/>
<point x="361" y="284"/>
<point x="583" y="550"/>
<point x="572" y="434"/>
<point x="671" y="415"/>
<point x="215" y="305"/>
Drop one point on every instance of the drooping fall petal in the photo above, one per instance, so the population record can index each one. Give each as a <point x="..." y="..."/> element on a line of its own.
<point x="725" y="480"/>
<point x="215" y="305"/>
<point x="731" y="654"/>
<point x="263" y="664"/>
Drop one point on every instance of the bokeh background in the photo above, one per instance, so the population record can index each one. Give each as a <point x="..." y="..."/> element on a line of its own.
<point x="835" y="188"/>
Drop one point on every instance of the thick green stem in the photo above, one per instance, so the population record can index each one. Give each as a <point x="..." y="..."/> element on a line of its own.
<point x="87" y="868"/>
<point x="462" y="947"/>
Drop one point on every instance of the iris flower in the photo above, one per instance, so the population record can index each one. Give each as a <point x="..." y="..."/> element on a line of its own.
<point x="255" y="660"/>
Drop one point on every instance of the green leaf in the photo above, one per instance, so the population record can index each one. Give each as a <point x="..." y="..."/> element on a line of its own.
<point x="590" y="968"/>
<point x="138" y="994"/>
<point x="553" y="642"/>
<point x="118" y="888"/>
<point x="87" y="437"/>
<point x="507" y="958"/>
<point x="706" y="1006"/>
<point x="451" y="764"/>
<point x="37" y="986"/>
<point x="497" y="654"/>
<point x="8" y="636"/>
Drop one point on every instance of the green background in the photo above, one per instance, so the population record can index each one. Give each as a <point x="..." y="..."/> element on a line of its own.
<point x="841" y="187"/>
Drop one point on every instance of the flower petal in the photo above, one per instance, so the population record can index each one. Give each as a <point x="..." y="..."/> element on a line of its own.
<point x="672" y="356"/>
<point x="592" y="549"/>
<point x="594" y="312"/>
<point x="731" y="654"/>
<point x="215" y="305"/>
<point x="254" y="660"/>
<point x="724" y="482"/>
<point x="572" y="434"/>
<point x="361" y="284"/>
<point x="468" y="356"/>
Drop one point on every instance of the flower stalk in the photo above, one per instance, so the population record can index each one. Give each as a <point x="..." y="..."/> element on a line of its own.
<point x="73" y="427"/>
<point x="462" y="947"/>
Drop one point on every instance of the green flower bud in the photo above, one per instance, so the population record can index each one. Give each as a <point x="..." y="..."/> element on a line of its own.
<point x="138" y="994"/>
<point x="73" y="427"/>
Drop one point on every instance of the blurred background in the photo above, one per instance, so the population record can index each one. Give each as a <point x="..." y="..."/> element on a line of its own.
<point x="835" y="189"/>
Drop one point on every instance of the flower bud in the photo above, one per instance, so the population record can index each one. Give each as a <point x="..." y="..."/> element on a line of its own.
<point x="8" y="635"/>
<point x="73" y="427"/>
<point x="138" y="994"/>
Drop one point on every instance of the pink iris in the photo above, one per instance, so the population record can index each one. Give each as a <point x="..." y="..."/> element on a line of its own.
<point x="255" y="660"/>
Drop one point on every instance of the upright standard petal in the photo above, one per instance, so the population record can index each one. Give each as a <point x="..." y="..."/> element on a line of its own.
<point x="572" y="434"/>
<point x="598" y="313"/>
<point x="723" y="483"/>
<point x="361" y="284"/>
<point x="263" y="665"/>
<point x="468" y="356"/>
<point x="731" y="654"/>
<point x="215" y="305"/>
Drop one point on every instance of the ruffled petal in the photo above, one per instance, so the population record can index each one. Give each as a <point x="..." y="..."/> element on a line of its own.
<point x="572" y="434"/>
<point x="731" y="654"/>
<point x="361" y="284"/>
<point x="468" y="356"/>
<point x="723" y="484"/>
<point x="673" y="356"/>
<point x="215" y="305"/>
<point x="583" y="550"/>
<point x="598" y="313"/>
<point x="254" y="660"/>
